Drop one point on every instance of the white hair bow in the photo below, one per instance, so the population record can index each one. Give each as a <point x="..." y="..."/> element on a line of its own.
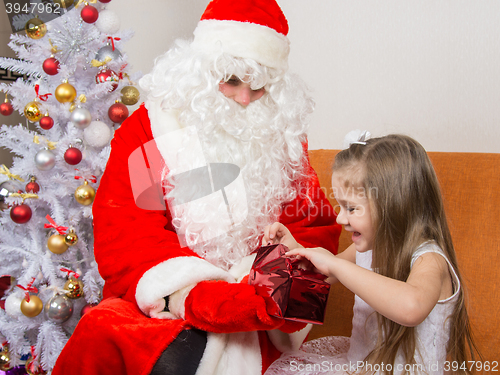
<point x="356" y="137"/>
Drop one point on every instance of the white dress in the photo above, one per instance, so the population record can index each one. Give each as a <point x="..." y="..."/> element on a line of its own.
<point x="344" y="355"/>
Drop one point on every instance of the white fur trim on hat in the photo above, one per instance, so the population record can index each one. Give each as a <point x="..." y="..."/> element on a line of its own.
<point x="244" y="39"/>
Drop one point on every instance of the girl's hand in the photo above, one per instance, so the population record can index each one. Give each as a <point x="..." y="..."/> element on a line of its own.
<point x="320" y="258"/>
<point x="277" y="233"/>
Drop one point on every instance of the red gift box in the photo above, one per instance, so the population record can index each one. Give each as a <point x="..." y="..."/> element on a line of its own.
<point x="295" y="294"/>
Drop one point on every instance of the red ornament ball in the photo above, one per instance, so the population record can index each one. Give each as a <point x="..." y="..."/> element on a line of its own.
<point x="20" y="213"/>
<point x="73" y="156"/>
<point x="118" y="112"/>
<point x="46" y="122"/>
<point x="108" y="75"/>
<point x="51" y="66"/>
<point x="32" y="187"/>
<point x="6" y="109"/>
<point x="89" y="14"/>
<point x="104" y="1"/>
<point x="85" y="309"/>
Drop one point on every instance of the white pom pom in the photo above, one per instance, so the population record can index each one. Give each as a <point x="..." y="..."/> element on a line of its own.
<point x="108" y="22"/>
<point x="97" y="134"/>
<point x="13" y="305"/>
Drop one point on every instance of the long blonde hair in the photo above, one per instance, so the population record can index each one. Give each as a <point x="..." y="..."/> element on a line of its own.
<point x="407" y="210"/>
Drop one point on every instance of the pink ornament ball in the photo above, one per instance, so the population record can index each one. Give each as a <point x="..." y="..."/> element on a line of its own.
<point x="89" y="14"/>
<point x="104" y="1"/>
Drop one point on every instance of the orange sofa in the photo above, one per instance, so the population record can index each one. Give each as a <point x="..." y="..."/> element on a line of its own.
<point x="470" y="183"/>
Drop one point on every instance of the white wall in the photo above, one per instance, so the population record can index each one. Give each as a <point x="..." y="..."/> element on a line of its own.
<point x="427" y="68"/>
<point x="156" y="23"/>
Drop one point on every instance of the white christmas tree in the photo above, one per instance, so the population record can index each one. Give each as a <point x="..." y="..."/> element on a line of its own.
<point x="74" y="75"/>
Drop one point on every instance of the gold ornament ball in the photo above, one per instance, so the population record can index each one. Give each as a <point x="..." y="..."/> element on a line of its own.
<point x="32" y="112"/>
<point x="5" y="360"/>
<point x="130" y="95"/>
<point x="35" y="28"/>
<point x="75" y="287"/>
<point x="64" y="3"/>
<point x="57" y="244"/>
<point x="33" y="307"/>
<point x="85" y="194"/>
<point x="71" y="238"/>
<point x="65" y="93"/>
<point x="31" y="369"/>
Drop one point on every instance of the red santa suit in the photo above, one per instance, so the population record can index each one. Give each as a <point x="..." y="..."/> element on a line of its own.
<point x="142" y="261"/>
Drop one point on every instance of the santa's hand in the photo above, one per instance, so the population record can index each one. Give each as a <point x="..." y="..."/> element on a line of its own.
<point x="222" y="307"/>
<point x="277" y="233"/>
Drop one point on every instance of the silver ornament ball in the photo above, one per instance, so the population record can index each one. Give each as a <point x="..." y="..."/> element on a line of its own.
<point x="11" y="186"/>
<point x="4" y="193"/>
<point x="59" y="308"/>
<point x="6" y="188"/>
<point x="45" y="160"/>
<point x="81" y="117"/>
<point x="107" y="51"/>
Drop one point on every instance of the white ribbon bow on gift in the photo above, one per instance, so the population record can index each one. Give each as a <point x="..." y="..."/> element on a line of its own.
<point x="356" y="137"/>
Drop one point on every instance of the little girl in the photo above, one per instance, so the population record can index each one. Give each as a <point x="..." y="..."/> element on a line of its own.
<point x="409" y="310"/>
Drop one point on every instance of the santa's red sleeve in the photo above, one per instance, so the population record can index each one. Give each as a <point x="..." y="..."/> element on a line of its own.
<point x="310" y="217"/>
<point x="137" y="249"/>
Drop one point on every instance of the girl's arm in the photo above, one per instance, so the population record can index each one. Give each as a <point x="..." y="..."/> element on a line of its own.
<point x="279" y="233"/>
<point x="407" y="303"/>
<point x="318" y="259"/>
<point x="323" y="258"/>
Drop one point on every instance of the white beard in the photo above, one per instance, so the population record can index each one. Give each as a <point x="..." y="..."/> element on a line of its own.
<point x="252" y="139"/>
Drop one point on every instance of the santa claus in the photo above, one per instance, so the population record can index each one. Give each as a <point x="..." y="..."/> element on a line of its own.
<point x="217" y="152"/>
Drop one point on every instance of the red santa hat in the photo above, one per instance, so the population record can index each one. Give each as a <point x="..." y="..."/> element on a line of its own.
<point x="254" y="29"/>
